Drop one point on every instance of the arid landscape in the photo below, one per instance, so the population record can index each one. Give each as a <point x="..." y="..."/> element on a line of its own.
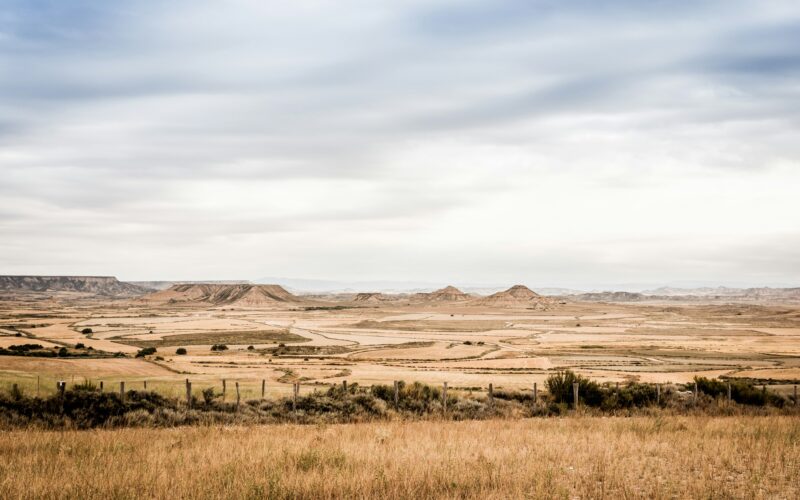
<point x="482" y="249"/>
<point x="511" y="339"/>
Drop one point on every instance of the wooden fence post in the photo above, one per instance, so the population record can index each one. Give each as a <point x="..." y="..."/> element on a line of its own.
<point x="491" y="396"/>
<point x="444" y="397"/>
<point x="729" y="393"/>
<point x="237" y="395"/>
<point x="145" y="385"/>
<point x="263" y="388"/>
<point x="795" y="395"/>
<point x="396" y="394"/>
<point x="61" y="386"/>
<point x="658" y="394"/>
<point x="344" y="386"/>
<point x="188" y="393"/>
<point x="296" y="389"/>
<point x="695" y="393"/>
<point x="122" y="391"/>
<point x="101" y="386"/>
<point x="575" y="394"/>
<point x="224" y="389"/>
<point x="535" y="394"/>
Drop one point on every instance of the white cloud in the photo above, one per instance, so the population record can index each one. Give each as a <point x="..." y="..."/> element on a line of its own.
<point x="551" y="143"/>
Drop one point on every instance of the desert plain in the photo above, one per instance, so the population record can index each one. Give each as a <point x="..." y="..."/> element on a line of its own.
<point x="468" y="342"/>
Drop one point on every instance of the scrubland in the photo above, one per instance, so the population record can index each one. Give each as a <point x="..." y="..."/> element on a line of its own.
<point x="589" y="457"/>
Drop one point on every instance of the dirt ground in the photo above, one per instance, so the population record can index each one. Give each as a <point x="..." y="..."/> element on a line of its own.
<point x="466" y="346"/>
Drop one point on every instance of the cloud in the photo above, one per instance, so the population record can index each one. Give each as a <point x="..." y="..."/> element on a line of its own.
<point x="553" y="141"/>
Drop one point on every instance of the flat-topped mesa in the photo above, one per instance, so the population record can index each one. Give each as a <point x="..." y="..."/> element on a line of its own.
<point x="224" y="295"/>
<point x="517" y="296"/>
<point x="90" y="285"/>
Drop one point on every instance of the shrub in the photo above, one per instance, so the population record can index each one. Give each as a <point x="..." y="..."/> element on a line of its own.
<point x="560" y="387"/>
<point x="742" y="391"/>
<point x="250" y="348"/>
<point x="80" y="345"/>
<point x="62" y="353"/>
<point x="147" y="351"/>
<point x="24" y="347"/>
<point x="180" y="351"/>
<point x="219" y="347"/>
<point x="86" y="331"/>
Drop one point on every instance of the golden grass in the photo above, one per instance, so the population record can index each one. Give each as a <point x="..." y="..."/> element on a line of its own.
<point x="646" y="457"/>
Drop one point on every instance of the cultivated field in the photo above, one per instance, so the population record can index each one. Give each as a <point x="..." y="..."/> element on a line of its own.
<point x="675" y="457"/>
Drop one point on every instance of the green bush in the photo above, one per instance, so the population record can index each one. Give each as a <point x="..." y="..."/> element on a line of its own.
<point x="742" y="392"/>
<point x="219" y="347"/>
<point x="559" y="385"/>
<point x="146" y="351"/>
<point x="180" y="351"/>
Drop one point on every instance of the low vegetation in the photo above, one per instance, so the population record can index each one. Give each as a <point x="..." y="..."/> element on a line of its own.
<point x="85" y="406"/>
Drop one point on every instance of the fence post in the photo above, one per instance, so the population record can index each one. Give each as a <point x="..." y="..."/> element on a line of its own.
<point x="795" y="394"/>
<point x="729" y="393"/>
<point x="37" y="387"/>
<point x="658" y="394"/>
<point x="237" y="395"/>
<point x="101" y="386"/>
<point x="491" y="396"/>
<point x="296" y="389"/>
<point x="263" y="388"/>
<point x="695" y="393"/>
<point x="14" y="389"/>
<point x="145" y="385"/>
<point x="224" y="389"/>
<point x="344" y="386"/>
<point x="535" y="394"/>
<point x="122" y="391"/>
<point x="396" y="394"/>
<point x="575" y="394"/>
<point x="188" y="393"/>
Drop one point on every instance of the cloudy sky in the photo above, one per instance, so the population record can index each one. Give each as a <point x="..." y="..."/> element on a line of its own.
<point x="568" y="143"/>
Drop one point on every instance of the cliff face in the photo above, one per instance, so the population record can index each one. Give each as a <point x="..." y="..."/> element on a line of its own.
<point x="92" y="285"/>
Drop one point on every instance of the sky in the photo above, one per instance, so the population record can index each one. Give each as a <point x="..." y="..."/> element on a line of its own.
<point x="552" y="143"/>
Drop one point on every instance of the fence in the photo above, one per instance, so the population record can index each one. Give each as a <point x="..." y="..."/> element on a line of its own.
<point x="259" y="388"/>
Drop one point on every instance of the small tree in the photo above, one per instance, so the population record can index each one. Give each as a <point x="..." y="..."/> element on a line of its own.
<point x="180" y="351"/>
<point x="147" y="351"/>
<point x="86" y="331"/>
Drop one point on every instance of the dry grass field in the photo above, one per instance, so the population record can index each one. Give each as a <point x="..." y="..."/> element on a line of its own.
<point x="648" y="457"/>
